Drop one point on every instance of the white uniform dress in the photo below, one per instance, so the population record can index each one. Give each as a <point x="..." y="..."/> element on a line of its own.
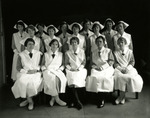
<point x="130" y="81"/>
<point x="28" y="84"/>
<point x="17" y="37"/>
<point x="54" y="69"/>
<point x="101" y="81"/>
<point x="124" y="35"/>
<point x="76" y="61"/>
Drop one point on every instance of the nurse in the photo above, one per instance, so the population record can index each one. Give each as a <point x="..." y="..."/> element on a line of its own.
<point x="54" y="79"/>
<point x="126" y="76"/>
<point x="16" y="45"/>
<point x="101" y="79"/>
<point x="75" y="72"/>
<point x="28" y="82"/>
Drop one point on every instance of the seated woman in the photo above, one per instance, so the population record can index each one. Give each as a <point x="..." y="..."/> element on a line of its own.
<point x="75" y="71"/>
<point x="29" y="79"/>
<point x="101" y="78"/>
<point x="126" y="77"/>
<point x="53" y="77"/>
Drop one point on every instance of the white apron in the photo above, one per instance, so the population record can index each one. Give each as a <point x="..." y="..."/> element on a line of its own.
<point x="52" y="71"/>
<point x="101" y="81"/>
<point x="76" y="78"/>
<point x="131" y="81"/>
<point x="28" y="85"/>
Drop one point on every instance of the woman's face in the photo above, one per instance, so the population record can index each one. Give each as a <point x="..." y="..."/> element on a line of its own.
<point x="51" y="31"/>
<point x="74" y="43"/>
<point x="100" y="43"/>
<point x="20" y="27"/>
<point x="120" y="27"/>
<point x="64" y="27"/>
<point x="96" y="28"/>
<point x="87" y="25"/>
<point x="40" y="28"/>
<point x="75" y="30"/>
<point x="121" y="44"/>
<point x="109" y="25"/>
<point x="31" y="32"/>
<point x="54" y="46"/>
<point x="30" y="46"/>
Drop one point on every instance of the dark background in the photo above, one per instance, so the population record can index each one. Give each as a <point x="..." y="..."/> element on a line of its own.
<point x="135" y="12"/>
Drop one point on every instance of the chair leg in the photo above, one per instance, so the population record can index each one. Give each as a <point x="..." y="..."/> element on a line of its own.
<point x="136" y="95"/>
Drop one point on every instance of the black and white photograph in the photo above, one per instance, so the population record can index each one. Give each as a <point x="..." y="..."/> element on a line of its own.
<point x="74" y="59"/>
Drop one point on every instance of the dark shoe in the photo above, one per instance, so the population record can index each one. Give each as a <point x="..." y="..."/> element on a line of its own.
<point x="101" y="104"/>
<point x="79" y="105"/>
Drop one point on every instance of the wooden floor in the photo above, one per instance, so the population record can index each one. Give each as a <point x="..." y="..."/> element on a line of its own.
<point x="133" y="108"/>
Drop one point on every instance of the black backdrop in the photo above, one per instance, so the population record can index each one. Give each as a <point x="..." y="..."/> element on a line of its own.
<point x="134" y="12"/>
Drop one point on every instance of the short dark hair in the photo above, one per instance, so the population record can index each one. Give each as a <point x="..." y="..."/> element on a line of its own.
<point x="121" y="39"/>
<point x="28" y="40"/>
<point x="95" y="26"/>
<point x="74" y="38"/>
<point x="102" y="37"/>
<point x="51" y="27"/>
<point x="40" y="24"/>
<point x="52" y="41"/>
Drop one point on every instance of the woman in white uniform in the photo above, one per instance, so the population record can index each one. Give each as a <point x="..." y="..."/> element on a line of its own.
<point x="54" y="79"/>
<point x="75" y="72"/>
<point x="108" y="32"/>
<point x="28" y="82"/>
<point x="38" y="43"/>
<point x="16" y="45"/>
<point x="126" y="76"/>
<point x="51" y="30"/>
<point x="75" y="28"/>
<point x="120" y="27"/>
<point x="101" y="79"/>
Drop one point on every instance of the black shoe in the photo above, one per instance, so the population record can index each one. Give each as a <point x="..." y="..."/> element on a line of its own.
<point x="101" y="104"/>
<point x="79" y="105"/>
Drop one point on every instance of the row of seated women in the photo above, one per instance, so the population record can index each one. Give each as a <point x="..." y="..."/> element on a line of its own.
<point x="109" y="72"/>
<point x="99" y="62"/>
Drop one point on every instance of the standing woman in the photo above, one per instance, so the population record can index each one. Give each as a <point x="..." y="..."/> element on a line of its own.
<point x="38" y="43"/>
<point x="126" y="76"/>
<point x="64" y="36"/>
<point x="75" y="28"/>
<point x="16" y="46"/>
<point x="96" y="27"/>
<point x="51" y="30"/>
<point x="108" y="32"/>
<point x="28" y="82"/>
<point x="120" y="27"/>
<point x="101" y="79"/>
<point x="75" y="72"/>
<point x="53" y="77"/>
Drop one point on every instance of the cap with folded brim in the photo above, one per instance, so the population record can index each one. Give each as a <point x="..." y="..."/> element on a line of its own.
<point x="56" y="30"/>
<point x="109" y="19"/>
<point x="70" y="26"/>
<point x="15" y="26"/>
<point x="98" y="23"/>
<point x="125" y="25"/>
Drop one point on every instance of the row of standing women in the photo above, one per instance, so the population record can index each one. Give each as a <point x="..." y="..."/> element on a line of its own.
<point x="100" y="62"/>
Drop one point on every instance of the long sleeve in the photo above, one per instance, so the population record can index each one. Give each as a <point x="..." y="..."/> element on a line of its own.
<point x="13" y="44"/>
<point x="131" y="45"/>
<point x="19" y="64"/>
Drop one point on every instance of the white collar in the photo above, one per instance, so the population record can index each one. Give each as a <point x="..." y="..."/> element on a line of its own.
<point x="77" y="51"/>
<point x="101" y="49"/>
<point x="50" y="52"/>
<point x="27" y="52"/>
